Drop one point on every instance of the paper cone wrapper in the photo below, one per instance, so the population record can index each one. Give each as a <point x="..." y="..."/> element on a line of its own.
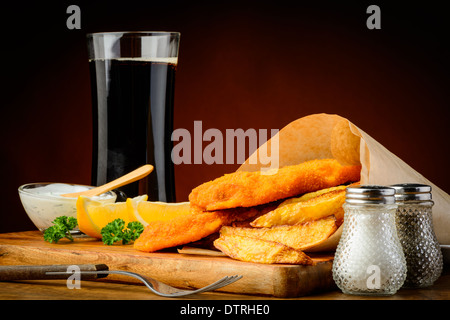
<point x="326" y="136"/>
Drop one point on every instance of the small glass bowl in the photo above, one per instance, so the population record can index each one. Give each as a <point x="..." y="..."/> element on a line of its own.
<point x="43" y="201"/>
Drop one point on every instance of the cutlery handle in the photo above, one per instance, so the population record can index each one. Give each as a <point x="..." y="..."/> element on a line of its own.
<point x="38" y="272"/>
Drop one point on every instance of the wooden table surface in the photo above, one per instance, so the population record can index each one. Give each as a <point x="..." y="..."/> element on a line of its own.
<point x="92" y="290"/>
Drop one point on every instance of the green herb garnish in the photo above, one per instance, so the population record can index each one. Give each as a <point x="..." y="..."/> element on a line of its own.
<point x="114" y="231"/>
<point x="60" y="229"/>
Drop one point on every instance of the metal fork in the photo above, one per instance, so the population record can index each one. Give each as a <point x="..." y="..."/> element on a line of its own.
<point x="163" y="289"/>
<point x="92" y="272"/>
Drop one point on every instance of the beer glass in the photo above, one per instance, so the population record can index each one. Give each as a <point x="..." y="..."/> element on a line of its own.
<point x="132" y="81"/>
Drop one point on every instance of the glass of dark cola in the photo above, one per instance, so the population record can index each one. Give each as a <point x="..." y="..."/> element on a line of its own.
<point x="132" y="81"/>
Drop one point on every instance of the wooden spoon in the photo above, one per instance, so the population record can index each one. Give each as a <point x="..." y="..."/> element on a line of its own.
<point x="133" y="176"/>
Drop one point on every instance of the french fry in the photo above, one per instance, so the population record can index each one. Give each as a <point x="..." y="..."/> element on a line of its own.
<point x="292" y="213"/>
<point x="310" y="195"/>
<point x="260" y="251"/>
<point x="299" y="237"/>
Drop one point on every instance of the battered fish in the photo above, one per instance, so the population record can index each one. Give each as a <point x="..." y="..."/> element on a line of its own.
<point x="247" y="189"/>
<point x="191" y="227"/>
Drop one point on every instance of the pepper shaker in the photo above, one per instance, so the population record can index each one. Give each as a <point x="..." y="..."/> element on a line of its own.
<point x="414" y="222"/>
<point x="369" y="259"/>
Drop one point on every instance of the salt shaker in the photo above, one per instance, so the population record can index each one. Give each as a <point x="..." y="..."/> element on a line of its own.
<point x="369" y="259"/>
<point x="423" y="254"/>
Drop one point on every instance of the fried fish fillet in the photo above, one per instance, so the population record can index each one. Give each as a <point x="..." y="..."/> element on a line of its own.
<point x="247" y="189"/>
<point x="260" y="251"/>
<point x="191" y="227"/>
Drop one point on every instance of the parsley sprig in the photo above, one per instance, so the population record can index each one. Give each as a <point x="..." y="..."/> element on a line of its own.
<point x="60" y="229"/>
<point x="114" y="231"/>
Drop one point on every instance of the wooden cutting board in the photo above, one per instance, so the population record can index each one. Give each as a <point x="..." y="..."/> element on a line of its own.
<point x="185" y="271"/>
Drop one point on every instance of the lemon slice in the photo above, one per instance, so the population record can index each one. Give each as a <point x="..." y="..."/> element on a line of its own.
<point x="93" y="215"/>
<point x="149" y="211"/>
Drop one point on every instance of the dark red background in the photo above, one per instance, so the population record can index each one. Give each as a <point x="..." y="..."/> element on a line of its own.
<point x="247" y="64"/>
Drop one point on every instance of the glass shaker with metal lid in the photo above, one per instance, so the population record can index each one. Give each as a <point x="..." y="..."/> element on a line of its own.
<point x="423" y="254"/>
<point x="369" y="258"/>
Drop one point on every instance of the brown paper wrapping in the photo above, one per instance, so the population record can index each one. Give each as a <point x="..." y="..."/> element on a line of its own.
<point x="322" y="136"/>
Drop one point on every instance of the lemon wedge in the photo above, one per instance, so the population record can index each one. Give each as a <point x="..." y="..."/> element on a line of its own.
<point x="149" y="211"/>
<point x="93" y="215"/>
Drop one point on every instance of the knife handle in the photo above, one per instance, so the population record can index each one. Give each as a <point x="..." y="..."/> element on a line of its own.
<point x="38" y="272"/>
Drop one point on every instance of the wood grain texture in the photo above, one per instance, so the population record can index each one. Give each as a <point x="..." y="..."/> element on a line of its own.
<point x="170" y="267"/>
<point x="39" y="272"/>
<point x="100" y="290"/>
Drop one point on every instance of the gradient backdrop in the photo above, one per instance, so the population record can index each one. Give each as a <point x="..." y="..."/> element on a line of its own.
<point x="247" y="64"/>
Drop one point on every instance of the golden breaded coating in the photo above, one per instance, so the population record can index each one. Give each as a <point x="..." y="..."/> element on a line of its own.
<point x="159" y="235"/>
<point x="247" y="189"/>
<point x="191" y="227"/>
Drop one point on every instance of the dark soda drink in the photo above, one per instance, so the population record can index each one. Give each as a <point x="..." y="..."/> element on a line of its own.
<point x="132" y="102"/>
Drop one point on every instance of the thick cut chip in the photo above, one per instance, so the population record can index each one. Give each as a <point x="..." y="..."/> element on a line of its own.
<point x="260" y="251"/>
<point x="324" y="205"/>
<point x="300" y="237"/>
<point x="247" y="189"/>
<point x="339" y="216"/>
<point x="310" y="195"/>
